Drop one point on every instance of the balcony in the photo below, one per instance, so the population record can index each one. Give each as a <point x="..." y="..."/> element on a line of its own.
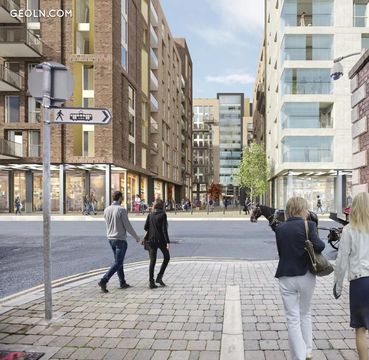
<point x="183" y="97"/>
<point x="9" y="80"/>
<point x="154" y="18"/>
<point x="183" y="110"/>
<point x="154" y="169"/>
<point x="183" y="82"/>
<point x="18" y="42"/>
<point x="10" y="150"/>
<point x="6" y="6"/>
<point x="154" y="105"/>
<point x="154" y="150"/>
<point x="154" y="62"/>
<point x="154" y="127"/>
<point x="154" y="83"/>
<point x="154" y="41"/>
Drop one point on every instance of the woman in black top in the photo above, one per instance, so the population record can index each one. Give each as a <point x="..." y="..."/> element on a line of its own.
<point x="157" y="227"/>
<point x="296" y="282"/>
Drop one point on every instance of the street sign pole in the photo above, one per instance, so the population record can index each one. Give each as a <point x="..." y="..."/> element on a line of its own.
<point x="46" y="189"/>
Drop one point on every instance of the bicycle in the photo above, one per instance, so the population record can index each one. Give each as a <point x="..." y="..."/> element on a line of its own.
<point x="334" y="236"/>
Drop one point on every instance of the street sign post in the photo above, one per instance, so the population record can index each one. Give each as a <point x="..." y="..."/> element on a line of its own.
<point x="50" y="84"/>
<point x="94" y="116"/>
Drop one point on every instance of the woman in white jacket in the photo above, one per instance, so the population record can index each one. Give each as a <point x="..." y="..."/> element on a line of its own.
<point x="353" y="257"/>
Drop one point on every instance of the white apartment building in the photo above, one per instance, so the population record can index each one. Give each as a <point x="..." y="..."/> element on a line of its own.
<point x="308" y="116"/>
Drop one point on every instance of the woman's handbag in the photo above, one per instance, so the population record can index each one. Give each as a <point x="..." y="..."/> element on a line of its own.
<point x="318" y="264"/>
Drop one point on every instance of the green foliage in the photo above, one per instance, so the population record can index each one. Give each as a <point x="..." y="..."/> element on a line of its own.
<point x="254" y="170"/>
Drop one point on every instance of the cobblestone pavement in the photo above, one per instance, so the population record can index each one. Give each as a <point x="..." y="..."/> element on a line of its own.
<point x="182" y="321"/>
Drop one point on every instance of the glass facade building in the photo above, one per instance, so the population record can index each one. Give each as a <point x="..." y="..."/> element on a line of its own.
<point x="230" y="137"/>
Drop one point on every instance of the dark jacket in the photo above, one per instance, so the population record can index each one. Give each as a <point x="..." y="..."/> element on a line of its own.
<point x="157" y="226"/>
<point x="291" y="237"/>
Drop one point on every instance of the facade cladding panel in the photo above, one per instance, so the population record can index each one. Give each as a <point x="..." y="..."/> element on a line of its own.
<point x="106" y="45"/>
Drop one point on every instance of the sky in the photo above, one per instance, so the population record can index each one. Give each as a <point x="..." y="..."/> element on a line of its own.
<point x="224" y="38"/>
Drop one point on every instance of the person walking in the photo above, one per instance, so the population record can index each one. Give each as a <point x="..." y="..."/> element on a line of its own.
<point x="157" y="227"/>
<point x="86" y="205"/>
<point x="353" y="255"/>
<point x="18" y="206"/>
<point x="296" y="282"/>
<point x="117" y="225"/>
<point x="247" y="206"/>
<point x="319" y="204"/>
<point x="93" y="202"/>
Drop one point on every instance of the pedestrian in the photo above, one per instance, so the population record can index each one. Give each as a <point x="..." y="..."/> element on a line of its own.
<point x="86" y="205"/>
<point x="93" y="202"/>
<point x="137" y="204"/>
<point x="302" y="19"/>
<point x="226" y="203"/>
<point x="211" y="204"/>
<point x="296" y="282"/>
<point x="247" y="206"/>
<point x="319" y="204"/>
<point x="18" y="206"/>
<point x="117" y="225"/>
<point x="157" y="227"/>
<point x="353" y="255"/>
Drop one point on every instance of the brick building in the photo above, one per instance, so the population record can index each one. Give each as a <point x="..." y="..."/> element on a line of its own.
<point x="123" y="57"/>
<point x="359" y="76"/>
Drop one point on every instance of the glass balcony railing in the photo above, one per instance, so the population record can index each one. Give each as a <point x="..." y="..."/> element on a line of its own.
<point x="154" y="19"/>
<point x="154" y="83"/>
<point x="9" y="5"/>
<point x="19" y="34"/>
<point x="10" y="148"/>
<point x="308" y="20"/>
<point x="154" y="62"/>
<point x="307" y="155"/>
<point x="154" y="40"/>
<point x="10" y="77"/>
<point x="307" y="88"/>
<point x="154" y="103"/>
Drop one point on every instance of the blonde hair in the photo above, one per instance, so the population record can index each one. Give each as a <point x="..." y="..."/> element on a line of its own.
<point x="296" y="207"/>
<point x="359" y="214"/>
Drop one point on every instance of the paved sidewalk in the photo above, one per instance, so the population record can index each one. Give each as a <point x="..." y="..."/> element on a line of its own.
<point x="183" y="321"/>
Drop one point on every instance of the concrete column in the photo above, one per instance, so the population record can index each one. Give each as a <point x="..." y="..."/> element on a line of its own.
<point x="62" y="189"/>
<point x="108" y="185"/>
<point x="29" y="192"/>
<point x="339" y="192"/>
<point x="87" y="182"/>
<point x="289" y="185"/>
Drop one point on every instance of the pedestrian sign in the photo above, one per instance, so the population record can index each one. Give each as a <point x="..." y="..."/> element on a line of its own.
<point x="98" y="116"/>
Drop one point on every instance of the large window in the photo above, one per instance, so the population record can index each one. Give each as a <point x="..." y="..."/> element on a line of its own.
<point x="84" y="27"/>
<point x="124" y="34"/>
<point x="360" y="13"/>
<point x="299" y="115"/>
<point x="307" y="149"/>
<point x="307" y="47"/>
<point x="12" y="109"/>
<point x="34" y="146"/>
<point x="34" y="111"/>
<point x="307" y="13"/>
<point x="16" y="136"/>
<point x="306" y="81"/>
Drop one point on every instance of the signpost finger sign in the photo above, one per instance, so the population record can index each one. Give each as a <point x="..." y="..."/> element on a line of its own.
<point x="96" y="116"/>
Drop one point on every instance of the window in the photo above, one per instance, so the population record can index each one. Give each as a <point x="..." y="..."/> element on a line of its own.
<point x="307" y="13"/>
<point x="83" y="27"/>
<point x="360" y="13"/>
<point x="306" y="81"/>
<point x="12" y="109"/>
<point x="365" y="41"/>
<point x="88" y="140"/>
<point x="34" y="111"/>
<point x="131" y="152"/>
<point x="298" y="115"/>
<point x="33" y="22"/>
<point x="34" y="149"/>
<point x="124" y="34"/>
<point x="16" y="136"/>
<point x="307" y="47"/>
<point x="307" y="149"/>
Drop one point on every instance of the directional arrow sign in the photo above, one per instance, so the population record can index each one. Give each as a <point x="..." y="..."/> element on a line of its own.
<point x="97" y="116"/>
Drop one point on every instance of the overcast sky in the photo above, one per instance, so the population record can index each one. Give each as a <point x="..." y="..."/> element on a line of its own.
<point x="224" y="38"/>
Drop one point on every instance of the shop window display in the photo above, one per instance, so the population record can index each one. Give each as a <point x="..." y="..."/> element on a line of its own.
<point x="4" y="191"/>
<point x="75" y="191"/>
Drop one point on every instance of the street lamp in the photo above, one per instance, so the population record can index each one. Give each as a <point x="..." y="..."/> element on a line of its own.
<point x="337" y="68"/>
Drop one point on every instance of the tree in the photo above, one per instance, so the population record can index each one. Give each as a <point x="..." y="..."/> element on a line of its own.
<point x="254" y="170"/>
<point x="214" y="191"/>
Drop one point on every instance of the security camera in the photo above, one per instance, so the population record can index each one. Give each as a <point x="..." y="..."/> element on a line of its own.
<point x="336" y="71"/>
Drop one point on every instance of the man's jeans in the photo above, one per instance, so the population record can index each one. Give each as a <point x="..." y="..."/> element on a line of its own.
<point x="296" y="292"/>
<point x="119" y="248"/>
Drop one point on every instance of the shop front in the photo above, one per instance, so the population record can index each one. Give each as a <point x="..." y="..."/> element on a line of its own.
<point x="4" y="191"/>
<point x="132" y="190"/>
<point x="37" y="191"/>
<point x="158" y="189"/>
<point x="118" y="183"/>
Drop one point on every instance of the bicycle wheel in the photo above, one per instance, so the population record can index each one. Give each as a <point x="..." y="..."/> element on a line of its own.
<point x="334" y="239"/>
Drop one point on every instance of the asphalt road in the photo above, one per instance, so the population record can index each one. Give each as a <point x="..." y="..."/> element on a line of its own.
<point x="78" y="247"/>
